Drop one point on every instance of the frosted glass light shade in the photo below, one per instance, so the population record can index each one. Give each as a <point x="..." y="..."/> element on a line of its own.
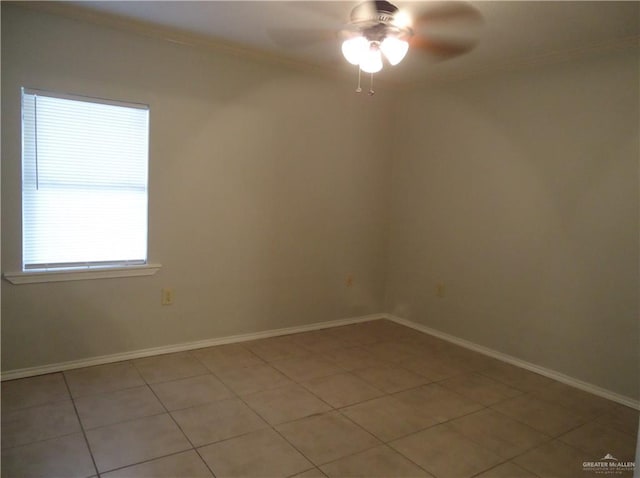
<point x="402" y="19"/>
<point x="394" y="49"/>
<point x="371" y="61"/>
<point x="354" y="49"/>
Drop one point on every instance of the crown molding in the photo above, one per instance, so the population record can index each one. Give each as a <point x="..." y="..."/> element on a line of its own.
<point x="186" y="39"/>
<point x="170" y="35"/>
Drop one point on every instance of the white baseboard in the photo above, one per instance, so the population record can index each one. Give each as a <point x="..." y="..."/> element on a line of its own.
<point x="560" y="377"/>
<point x="104" y="359"/>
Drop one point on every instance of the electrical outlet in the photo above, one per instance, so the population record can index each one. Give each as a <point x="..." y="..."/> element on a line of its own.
<point x="440" y="290"/>
<point x="167" y="296"/>
<point x="349" y="280"/>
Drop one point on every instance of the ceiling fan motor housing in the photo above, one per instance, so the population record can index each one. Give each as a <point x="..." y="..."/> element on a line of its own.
<point x="375" y="20"/>
<point x="377" y="11"/>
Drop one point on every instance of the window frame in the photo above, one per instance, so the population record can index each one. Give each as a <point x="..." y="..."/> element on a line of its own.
<point x="81" y="270"/>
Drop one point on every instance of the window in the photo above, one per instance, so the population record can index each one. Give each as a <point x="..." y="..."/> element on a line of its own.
<point x="84" y="182"/>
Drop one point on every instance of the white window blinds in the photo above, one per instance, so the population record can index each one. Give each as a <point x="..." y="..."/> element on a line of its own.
<point x="84" y="182"/>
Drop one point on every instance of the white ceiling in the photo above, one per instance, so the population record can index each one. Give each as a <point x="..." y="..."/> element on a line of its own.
<point x="512" y="32"/>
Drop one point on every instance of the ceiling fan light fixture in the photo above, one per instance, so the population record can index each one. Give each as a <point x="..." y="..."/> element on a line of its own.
<point x="354" y="49"/>
<point x="371" y="61"/>
<point x="394" y="49"/>
<point x="378" y="29"/>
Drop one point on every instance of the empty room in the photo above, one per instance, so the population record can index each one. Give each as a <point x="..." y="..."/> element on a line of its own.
<point x="320" y="239"/>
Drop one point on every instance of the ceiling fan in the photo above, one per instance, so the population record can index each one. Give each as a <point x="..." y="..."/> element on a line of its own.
<point x="378" y="30"/>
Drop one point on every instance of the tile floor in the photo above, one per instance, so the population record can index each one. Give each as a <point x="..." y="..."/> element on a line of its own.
<point x="371" y="399"/>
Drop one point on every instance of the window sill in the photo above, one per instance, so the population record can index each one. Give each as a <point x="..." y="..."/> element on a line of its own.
<point x="31" y="277"/>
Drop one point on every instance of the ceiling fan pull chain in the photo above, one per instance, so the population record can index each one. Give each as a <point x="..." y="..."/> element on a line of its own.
<point x="358" y="89"/>
<point x="371" y="92"/>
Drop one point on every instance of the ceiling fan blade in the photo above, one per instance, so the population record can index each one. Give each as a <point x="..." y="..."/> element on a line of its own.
<point x="364" y="11"/>
<point x="451" y="11"/>
<point x="441" y="49"/>
<point x="447" y="29"/>
<point x="300" y="37"/>
<point x="330" y="11"/>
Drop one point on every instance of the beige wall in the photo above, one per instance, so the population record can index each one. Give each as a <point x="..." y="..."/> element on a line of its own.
<point x="266" y="189"/>
<point x="519" y="192"/>
<point x="270" y="184"/>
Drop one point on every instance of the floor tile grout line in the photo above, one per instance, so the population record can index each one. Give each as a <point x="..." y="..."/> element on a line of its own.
<point x="84" y="434"/>
<point x="193" y="447"/>
<point x="382" y="444"/>
<point x="295" y="447"/>
<point x="575" y="447"/>
<point x="40" y="440"/>
<point x="352" y="454"/>
<point x="383" y="394"/>
<point x="186" y="377"/>
<point x="436" y="425"/>
<point x="558" y="404"/>
<point x="387" y="443"/>
<point x="539" y="445"/>
<point x="262" y="362"/>
<point x="314" y="467"/>
<point x="478" y="443"/>
<point x="296" y="384"/>
<point x="322" y="464"/>
<point x="31" y="407"/>
<point x="491" y="407"/>
<point x="508" y="460"/>
<point x="166" y="410"/>
<point x="204" y="461"/>
<point x="183" y="377"/>
<point x="65" y="373"/>
<point x="548" y="438"/>
<point x="120" y="422"/>
<point x="107" y="392"/>
<point x="123" y="467"/>
<point x="273" y="428"/>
